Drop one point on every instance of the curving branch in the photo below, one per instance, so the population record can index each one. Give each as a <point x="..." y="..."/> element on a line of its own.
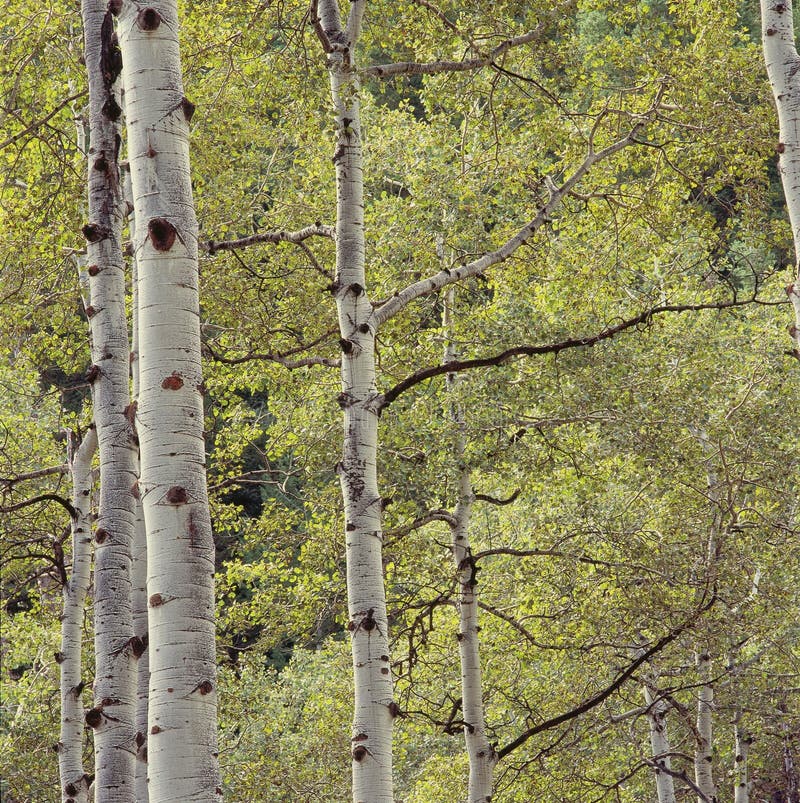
<point x="552" y="348"/>
<point x="282" y="358"/>
<point x="280" y="236"/>
<point x="595" y="700"/>
<point x="9" y="482"/>
<point x="34" y="500"/>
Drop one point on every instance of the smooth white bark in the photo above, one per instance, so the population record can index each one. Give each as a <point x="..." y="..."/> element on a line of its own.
<point x="783" y="69"/>
<point x="704" y="752"/>
<point x="482" y="756"/>
<point x="74" y="779"/>
<point x="112" y="715"/>
<point x="374" y="705"/>
<point x="657" y="709"/>
<point x="181" y="739"/>
<point x="139" y="571"/>
<point x="743" y="740"/>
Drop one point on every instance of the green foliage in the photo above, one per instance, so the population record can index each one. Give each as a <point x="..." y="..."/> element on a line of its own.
<point x="612" y="519"/>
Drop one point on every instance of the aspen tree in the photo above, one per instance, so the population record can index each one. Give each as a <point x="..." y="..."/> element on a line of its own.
<point x="482" y="755"/>
<point x="657" y="709"/>
<point x="74" y="780"/>
<point x="782" y="59"/>
<point x="116" y="649"/>
<point x="139" y="569"/>
<point x="359" y="400"/>
<point x="182" y="701"/>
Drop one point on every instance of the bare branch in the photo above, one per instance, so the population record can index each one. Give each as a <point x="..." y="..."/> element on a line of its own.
<point x="281" y="236"/>
<point x="551" y="348"/>
<point x="8" y="482"/>
<point x="493" y="500"/>
<point x="660" y="766"/>
<point x="282" y="358"/>
<point x="34" y="500"/>
<point x="421" y="521"/>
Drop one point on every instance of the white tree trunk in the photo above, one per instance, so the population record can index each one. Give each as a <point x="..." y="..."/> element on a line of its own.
<point x="181" y="739"/>
<point x="482" y="756"/>
<point x="741" y="792"/>
<point x="115" y="650"/>
<point x="704" y="754"/>
<point x="74" y="780"/>
<point x="783" y="69"/>
<point x="659" y="742"/>
<point x="139" y="578"/>
<point x="368" y="625"/>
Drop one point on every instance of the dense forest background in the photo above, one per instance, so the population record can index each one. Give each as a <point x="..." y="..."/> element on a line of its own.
<point x="626" y="410"/>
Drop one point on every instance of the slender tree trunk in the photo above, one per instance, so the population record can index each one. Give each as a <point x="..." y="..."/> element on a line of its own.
<point x="704" y="753"/>
<point x="741" y="792"/>
<point x="782" y="60"/>
<point x="139" y="592"/>
<point x="181" y="747"/>
<point x="368" y="625"/>
<point x="482" y="756"/>
<point x="659" y="741"/>
<point x="74" y="780"/>
<point x="115" y="649"/>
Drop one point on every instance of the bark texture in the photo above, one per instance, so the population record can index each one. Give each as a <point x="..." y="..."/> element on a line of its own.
<point x="74" y="780"/>
<point x="181" y="734"/>
<point x="112" y="715"/>
<point x="783" y="69"/>
<point x="374" y="706"/>
<point x="704" y="753"/>
<point x="741" y="792"/>
<point x="657" y="709"/>
<point x="482" y="756"/>
<point x="139" y="573"/>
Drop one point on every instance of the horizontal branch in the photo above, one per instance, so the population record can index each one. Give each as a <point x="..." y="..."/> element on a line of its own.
<point x="486" y="60"/>
<point x="447" y="276"/>
<point x="34" y="500"/>
<point x="454" y="366"/>
<point x="281" y="358"/>
<point x="8" y="482"/>
<point x="421" y="521"/>
<point x="279" y="236"/>
<point x="598" y="698"/>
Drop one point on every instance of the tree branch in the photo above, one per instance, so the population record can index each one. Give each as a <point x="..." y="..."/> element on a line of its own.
<point x="41" y="498"/>
<point x="447" y="276"/>
<point x="281" y="236"/>
<point x="550" y="348"/>
<point x="493" y="500"/>
<point x="8" y="482"/>
<point x="484" y="60"/>
<point x="598" y="698"/>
